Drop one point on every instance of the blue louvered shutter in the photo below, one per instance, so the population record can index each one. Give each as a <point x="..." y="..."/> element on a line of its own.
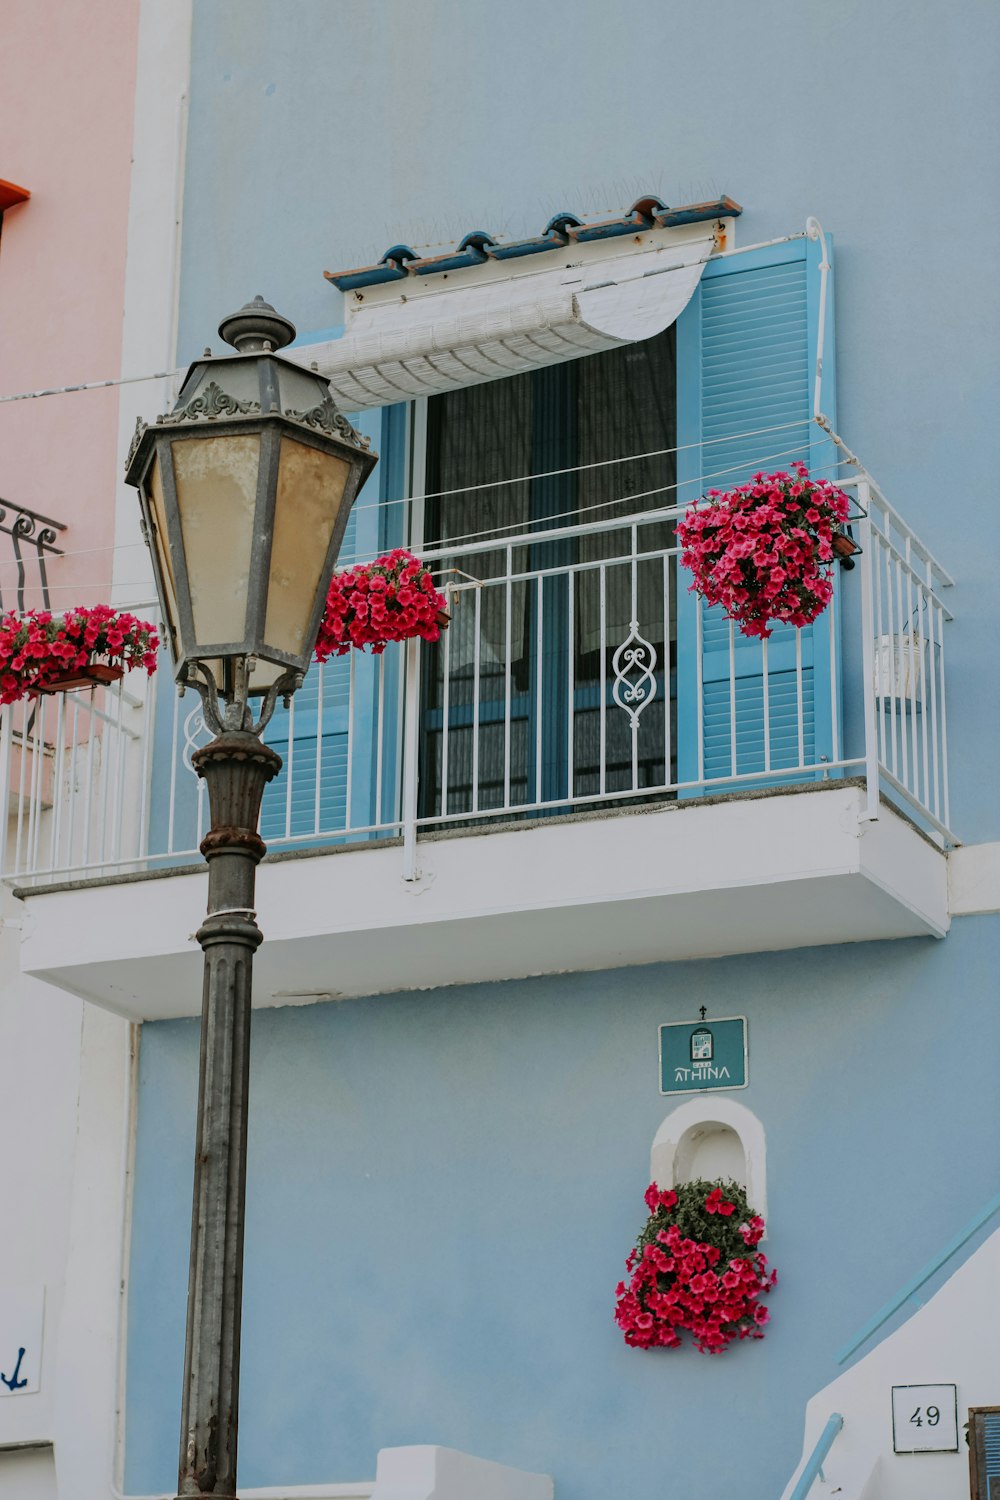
<point x="313" y="735"/>
<point x="746" y="357"/>
<point x="986" y="1437"/>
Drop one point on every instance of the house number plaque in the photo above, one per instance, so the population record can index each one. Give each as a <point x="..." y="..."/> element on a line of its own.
<point x="925" y="1419"/>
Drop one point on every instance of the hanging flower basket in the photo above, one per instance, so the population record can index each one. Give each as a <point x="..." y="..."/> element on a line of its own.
<point x="765" y="550"/>
<point x="95" y="673"/>
<point x="695" y="1266"/>
<point x="390" y="599"/>
<point x="45" y="653"/>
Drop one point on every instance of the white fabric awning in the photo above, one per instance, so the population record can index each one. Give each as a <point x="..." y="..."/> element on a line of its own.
<point x="420" y="341"/>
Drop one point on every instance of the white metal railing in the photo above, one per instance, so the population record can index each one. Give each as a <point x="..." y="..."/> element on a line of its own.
<point x="903" y="674"/>
<point x="75" y="772"/>
<point x="578" y="672"/>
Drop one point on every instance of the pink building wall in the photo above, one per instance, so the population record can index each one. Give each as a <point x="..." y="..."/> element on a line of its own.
<point x="67" y="86"/>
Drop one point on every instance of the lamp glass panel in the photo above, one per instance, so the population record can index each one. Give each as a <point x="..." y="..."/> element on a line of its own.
<point x="263" y="674"/>
<point x="311" y="488"/>
<point x="161" y="544"/>
<point x="216" y="482"/>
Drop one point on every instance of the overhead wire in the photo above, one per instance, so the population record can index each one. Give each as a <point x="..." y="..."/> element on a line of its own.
<point x="89" y="385"/>
<point x="601" y="463"/>
<point x="518" y="526"/>
<point x="463" y="537"/>
<point x="644" y="516"/>
<point x="647" y="517"/>
<point x="492" y="484"/>
<point x="472" y="536"/>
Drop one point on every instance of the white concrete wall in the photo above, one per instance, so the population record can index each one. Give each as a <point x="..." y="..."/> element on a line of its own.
<point x="433" y="1473"/>
<point x="974" y="879"/>
<point x="91" y="1330"/>
<point x="952" y="1339"/>
<point x="29" y="1474"/>
<point x="39" y="1065"/>
<point x="64" y="1087"/>
<point x="64" y="1066"/>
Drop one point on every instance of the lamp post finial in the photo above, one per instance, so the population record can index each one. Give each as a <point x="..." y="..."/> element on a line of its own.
<point x="255" y="326"/>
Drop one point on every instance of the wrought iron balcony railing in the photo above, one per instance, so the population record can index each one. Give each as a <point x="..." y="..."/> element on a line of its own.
<point x="32" y="540"/>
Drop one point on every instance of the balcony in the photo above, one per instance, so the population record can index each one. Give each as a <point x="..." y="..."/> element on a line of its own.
<point x="448" y="814"/>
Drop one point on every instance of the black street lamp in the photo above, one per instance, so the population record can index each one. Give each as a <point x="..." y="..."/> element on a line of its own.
<point x="246" y="487"/>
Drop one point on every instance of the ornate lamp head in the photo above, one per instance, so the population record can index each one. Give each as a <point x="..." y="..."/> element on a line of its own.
<point x="246" y="488"/>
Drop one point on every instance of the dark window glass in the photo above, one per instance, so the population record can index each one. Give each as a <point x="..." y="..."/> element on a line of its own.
<point x="547" y="623"/>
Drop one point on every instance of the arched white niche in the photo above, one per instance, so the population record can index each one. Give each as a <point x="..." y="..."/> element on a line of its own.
<point x="712" y="1137"/>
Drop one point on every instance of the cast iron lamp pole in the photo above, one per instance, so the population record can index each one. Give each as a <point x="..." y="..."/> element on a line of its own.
<point x="236" y="766"/>
<point x="245" y="487"/>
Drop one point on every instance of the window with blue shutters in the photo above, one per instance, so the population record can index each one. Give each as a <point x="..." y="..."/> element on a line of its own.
<point x="745" y="364"/>
<point x="730" y="388"/>
<point x="746" y="350"/>
<point x="984" y="1451"/>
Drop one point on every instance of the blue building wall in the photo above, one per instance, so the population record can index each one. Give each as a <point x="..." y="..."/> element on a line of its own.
<point x="321" y="134"/>
<point x="443" y="1188"/>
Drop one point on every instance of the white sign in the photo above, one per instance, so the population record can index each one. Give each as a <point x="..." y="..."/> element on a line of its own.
<point x="925" y="1419"/>
<point x="21" y="1314"/>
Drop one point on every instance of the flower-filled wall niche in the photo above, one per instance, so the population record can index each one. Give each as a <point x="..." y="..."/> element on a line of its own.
<point x="695" y="1267"/>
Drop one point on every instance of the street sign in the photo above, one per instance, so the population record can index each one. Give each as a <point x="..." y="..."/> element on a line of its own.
<point x="696" y="1056"/>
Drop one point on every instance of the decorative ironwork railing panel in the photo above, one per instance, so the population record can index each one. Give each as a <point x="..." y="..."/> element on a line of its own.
<point x="32" y="540"/>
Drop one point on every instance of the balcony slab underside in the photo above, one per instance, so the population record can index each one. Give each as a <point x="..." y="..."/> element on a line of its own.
<point x="800" y="868"/>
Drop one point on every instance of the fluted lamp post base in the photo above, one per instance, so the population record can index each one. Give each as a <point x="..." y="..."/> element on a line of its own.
<point x="236" y="767"/>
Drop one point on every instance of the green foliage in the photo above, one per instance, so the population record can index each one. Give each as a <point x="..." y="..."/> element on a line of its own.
<point x="696" y="1223"/>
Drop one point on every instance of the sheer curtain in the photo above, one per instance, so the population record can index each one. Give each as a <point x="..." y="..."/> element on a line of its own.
<point x="479" y="436"/>
<point x="626" y="402"/>
<point x="569" y="416"/>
